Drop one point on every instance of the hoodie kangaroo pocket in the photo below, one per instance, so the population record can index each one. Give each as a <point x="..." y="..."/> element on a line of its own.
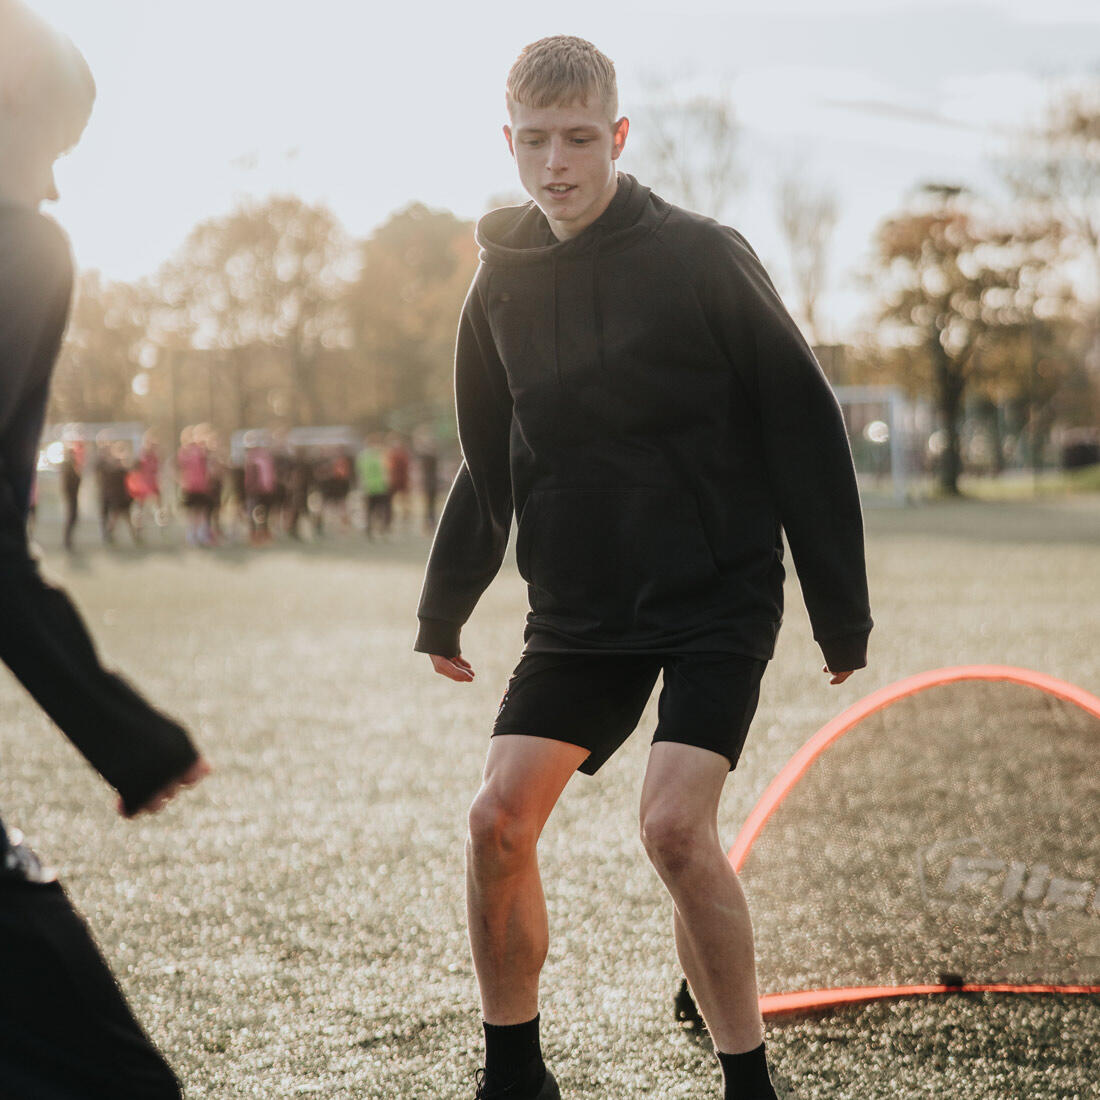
<point x="615" y="559"/>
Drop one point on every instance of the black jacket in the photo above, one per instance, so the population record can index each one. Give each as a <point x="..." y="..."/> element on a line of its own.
<point x="642" y="400"/>
<point x="43" y="640"/>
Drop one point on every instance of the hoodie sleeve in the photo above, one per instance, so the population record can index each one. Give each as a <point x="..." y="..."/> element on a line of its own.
<point x="805" y="446"/>
<point x="472" y="534"/>
<point x="43" y="638"/>
<point x="36" y="278"/>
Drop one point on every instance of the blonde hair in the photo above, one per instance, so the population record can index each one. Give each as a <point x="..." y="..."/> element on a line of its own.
<point x="562" y="71"/>
<point x="43" y="76"/>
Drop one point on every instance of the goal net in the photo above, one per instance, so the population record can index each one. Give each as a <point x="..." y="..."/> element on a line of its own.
<point x="939" y="835"/>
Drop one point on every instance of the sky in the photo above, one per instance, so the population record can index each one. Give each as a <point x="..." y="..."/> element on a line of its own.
<point x="368" y="107"/>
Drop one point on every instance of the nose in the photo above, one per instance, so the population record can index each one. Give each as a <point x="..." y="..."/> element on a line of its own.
<point x="51" y="194"/>
<point x="555" y="154"/>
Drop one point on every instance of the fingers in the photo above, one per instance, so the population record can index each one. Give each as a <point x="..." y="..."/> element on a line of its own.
<point x="454" y="668"/>
<point x="197" y="772"/>
<point x="837" y="677"/>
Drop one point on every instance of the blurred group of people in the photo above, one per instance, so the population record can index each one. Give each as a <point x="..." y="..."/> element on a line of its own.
<point x="263" y="489"/>
<point x="279" y="488"/>
<point x="128" y="485"/>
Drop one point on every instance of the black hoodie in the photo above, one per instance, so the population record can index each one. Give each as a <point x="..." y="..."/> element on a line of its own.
<point x="640" y="398"/>
<point x="43" y="639"/>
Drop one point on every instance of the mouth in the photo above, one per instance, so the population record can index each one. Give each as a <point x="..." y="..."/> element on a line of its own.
<point x="558" y="190"/>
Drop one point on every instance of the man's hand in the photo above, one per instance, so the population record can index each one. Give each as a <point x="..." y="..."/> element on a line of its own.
<point x="454" y="668"/>
<point x="199" y="770"/>
<point x="838" y="677"/>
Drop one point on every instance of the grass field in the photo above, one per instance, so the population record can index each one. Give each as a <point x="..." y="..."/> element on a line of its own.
<point x="295" y="927"/>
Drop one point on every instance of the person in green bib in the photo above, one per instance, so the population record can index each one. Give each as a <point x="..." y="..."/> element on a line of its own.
<point x="374" y="484"/>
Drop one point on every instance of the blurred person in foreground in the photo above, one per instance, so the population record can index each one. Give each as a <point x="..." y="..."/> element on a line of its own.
<point x="629" y="384"/>
<point x="66" y="1030"/>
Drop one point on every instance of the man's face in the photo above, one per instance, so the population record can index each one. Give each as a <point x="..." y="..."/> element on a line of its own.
<point x="30" y="149"/>
<point x="41" y="184"/>
<point x="566" y="159"/>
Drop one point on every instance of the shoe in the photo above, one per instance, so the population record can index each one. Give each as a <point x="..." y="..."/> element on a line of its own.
<point x="548" y="1091"/>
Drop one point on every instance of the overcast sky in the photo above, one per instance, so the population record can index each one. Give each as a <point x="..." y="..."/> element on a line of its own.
<point x="368" y="107"/>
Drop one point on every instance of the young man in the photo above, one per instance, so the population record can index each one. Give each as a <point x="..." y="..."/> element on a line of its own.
<point x="65" y="1029"/>
<point x="629" y="385"/>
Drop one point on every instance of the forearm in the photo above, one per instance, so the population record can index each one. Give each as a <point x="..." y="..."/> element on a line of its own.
<point x="804" y="445"/>
<point x="472" y="534"/>
<point x="43" y="640"/>
<point x="818" y="503"/>
<point x="467" y="551"/>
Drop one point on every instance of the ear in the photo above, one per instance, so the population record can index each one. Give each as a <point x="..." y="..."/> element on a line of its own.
<point x="618" y="136"/>
<point x="508" y="138"/>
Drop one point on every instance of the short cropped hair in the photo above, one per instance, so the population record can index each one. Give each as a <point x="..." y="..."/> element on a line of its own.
<point x="561" y="71"/>
<point x="43" y="76"/>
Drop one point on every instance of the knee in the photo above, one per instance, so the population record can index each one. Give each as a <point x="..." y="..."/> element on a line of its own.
<point x="501" y="835"/>
<point x="672" y="840"/>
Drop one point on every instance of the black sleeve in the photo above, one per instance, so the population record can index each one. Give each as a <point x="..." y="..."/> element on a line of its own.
<point x="35" y="288"/>
<point x="43" y="639"/>
<point x="472" y="534"/>
<point x="806" y="449"/>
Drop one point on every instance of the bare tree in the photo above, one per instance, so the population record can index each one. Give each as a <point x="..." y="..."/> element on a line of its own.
<point x="808" y="217"/>
<point x="687" y="147"/>
<point x="1055" y="175"/>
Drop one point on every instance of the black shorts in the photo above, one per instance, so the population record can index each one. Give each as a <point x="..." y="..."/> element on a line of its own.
<point x="595" y="700"/>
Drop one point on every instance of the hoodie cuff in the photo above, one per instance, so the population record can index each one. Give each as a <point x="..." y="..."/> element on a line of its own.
<point x="846" y="653"/>
<point x="161" y="757"/>
<point x="439" y="637"/>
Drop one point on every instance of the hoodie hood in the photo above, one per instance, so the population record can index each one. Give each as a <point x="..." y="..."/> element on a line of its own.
<point x="522" y="235"/>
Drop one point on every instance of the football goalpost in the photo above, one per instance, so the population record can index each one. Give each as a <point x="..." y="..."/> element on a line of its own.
<point x="881" y="431"/>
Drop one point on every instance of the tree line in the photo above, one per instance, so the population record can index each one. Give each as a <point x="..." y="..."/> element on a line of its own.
<point x="273" y="314"/>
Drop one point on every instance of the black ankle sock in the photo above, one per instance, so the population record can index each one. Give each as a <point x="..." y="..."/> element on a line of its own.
<point x="513" y="1055"/>
<point x="746" y="1075"/>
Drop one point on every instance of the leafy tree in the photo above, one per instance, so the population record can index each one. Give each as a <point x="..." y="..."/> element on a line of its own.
<point x="957" y="286"/>
<point x="105" y="349"/>
<point x="1055" y="173"/>
<point x="403" y="311"/>
<point x="259" y="291"/>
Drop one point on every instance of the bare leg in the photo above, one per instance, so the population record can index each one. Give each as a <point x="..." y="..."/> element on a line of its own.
<point x="506" y="910"/>
<point x="714" y="938"/>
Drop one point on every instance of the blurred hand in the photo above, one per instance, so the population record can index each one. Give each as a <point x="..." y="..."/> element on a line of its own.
<point x="199" y="770"/>
<point x="838" y="677"/>
<point x="454" y="668"/>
